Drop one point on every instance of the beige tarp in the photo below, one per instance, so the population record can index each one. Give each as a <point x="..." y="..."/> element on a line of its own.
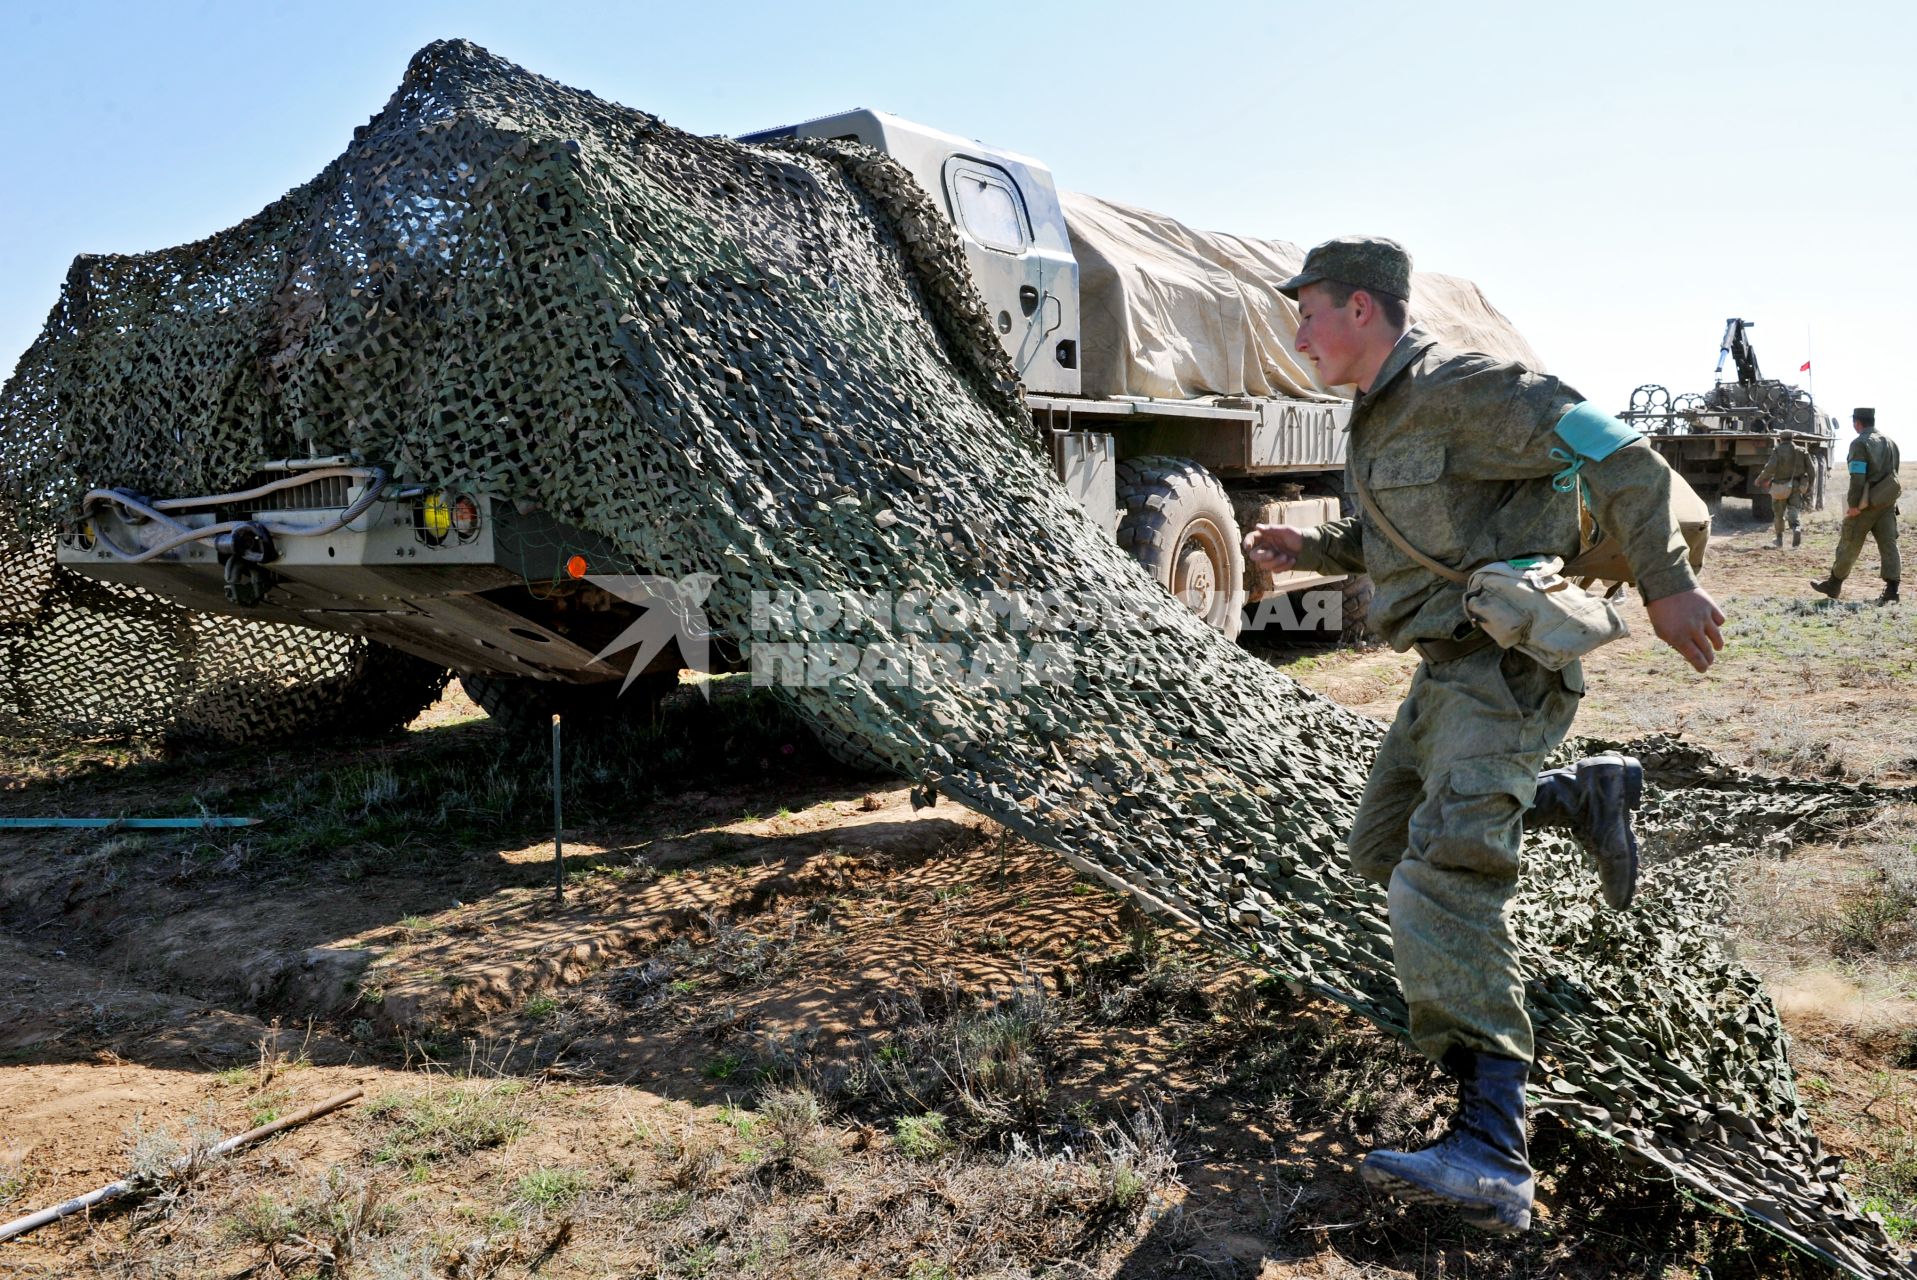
<point x="1175" y="313"/>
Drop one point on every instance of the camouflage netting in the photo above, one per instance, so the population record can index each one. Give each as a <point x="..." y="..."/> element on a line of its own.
<point x="81" y="659"/>
<point x="767" y="364"/>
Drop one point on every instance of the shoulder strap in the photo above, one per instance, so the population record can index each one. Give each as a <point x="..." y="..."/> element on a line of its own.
<point x="1397" y="539"/>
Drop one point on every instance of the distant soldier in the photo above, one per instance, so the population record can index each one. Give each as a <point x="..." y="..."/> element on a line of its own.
<point x="1790" y="473"/>
<point x="1870" y="508"/>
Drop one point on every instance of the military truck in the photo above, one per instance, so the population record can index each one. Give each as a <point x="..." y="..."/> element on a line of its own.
<point x="1155" y="359"/>
<point x="1719" y="440"/>
<point x="1173" y="456"/>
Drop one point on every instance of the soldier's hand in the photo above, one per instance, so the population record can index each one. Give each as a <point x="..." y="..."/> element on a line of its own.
<point x="1689" y="623"/>
<point x="1852" y="511"/>
<point x="1274" y="546"/>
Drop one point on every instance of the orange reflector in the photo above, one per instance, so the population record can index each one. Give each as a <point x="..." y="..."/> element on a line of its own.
<point x="465" y="517"/>
<point x="576" y="567"/>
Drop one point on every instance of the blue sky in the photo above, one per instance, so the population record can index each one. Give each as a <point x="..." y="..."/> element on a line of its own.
<point x="1620" y="178"/>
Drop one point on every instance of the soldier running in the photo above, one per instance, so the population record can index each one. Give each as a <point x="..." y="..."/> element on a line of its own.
<point x="1789" y="474"/>
<point x="1870" y="508"/>
<point x="1473" y="457"/>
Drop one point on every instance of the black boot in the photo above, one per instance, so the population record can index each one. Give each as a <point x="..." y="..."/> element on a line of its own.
<point x="1593" y="799"/>
<point x="1890" y="592"/>
<point x="1797" y="536"/>
<point x="1828" y="587"/>
<point x="1480" y="1168"/>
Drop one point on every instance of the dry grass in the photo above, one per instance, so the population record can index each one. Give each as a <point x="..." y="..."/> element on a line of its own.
<point x="447" y="1120"/>
<point x="1833" y="930"/>
<point x="323" y="1230"/>
<point x="1045" y="1088"/>
<point x="972" y="1148"/>
<point x="771" y="1192"/>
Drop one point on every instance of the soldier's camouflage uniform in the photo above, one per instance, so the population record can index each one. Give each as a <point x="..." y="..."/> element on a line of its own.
<point x="1788" y="466"/>
<point x="1459" y="452"/>
<point x="1872" y="463"/>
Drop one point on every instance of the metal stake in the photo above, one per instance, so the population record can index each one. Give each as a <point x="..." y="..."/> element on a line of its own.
<point x="558" y="846"/>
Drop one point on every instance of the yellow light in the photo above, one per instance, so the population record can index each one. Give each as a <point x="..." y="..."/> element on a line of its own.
<point x="436" y="515"/>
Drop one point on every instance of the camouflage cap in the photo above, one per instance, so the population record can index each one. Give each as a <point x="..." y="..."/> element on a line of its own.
<point x="1866" y="416"/>
<point x="1371" y="263"/>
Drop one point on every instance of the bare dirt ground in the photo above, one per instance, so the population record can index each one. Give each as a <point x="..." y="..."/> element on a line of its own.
<point x="784" y="1025"/>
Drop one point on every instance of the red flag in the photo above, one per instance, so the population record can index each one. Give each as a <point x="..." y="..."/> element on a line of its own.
<point x="1804" y="368"/>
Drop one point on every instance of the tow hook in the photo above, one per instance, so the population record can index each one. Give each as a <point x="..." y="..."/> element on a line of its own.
<point x="249" y="548"/>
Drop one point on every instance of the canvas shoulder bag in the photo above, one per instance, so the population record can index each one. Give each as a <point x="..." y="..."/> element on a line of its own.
<point x="1525" y="604"/>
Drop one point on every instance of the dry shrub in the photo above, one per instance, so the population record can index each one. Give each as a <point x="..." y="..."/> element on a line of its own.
<point x="879" y="1211"/>
<point x="1879" y="922"/>
<point x="988" y="1057"/>
<point x="977" y="1217"/>
<point x="163" y="1167"/>
<point x="691" y="1161"/>
<point x="1145" y="982"/>
<point x="736" y="955"/>
<point x="793" y="1120"/>
<point x="450" y="1120"/>
<point x="1319" y="1065"/>
<point x="323" y="1231"/>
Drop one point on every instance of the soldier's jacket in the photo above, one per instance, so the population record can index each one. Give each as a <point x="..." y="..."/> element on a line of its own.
<point x="1458" y="451"/>
<point x="1788" y="464"/>
<point x="1873" y="460"/>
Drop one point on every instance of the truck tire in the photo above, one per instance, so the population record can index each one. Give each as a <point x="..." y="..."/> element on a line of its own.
<point x="1357" y="591"/>
<point x="1762" y="508"/>
<point x="1176" y="519"/>
<point x="526" y="707"/>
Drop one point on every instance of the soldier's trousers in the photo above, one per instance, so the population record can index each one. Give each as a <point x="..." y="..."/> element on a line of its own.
<point x="1874" y="522"/>
<point x="1440" y="825"/>
<point x="1782" y="507"/>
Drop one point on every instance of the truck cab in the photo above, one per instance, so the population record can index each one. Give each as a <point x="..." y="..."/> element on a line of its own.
<point x="1005" y="208"/>
<point x="1212" y="465"/>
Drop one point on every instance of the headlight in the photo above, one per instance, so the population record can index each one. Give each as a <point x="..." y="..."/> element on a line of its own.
<point x="433" y="518"/>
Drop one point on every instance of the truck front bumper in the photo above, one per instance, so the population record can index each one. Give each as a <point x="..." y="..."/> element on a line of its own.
<point x="460" y="580"/>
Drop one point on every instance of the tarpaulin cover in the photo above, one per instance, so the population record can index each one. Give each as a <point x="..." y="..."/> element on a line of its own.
<point x="1175" y="313"/>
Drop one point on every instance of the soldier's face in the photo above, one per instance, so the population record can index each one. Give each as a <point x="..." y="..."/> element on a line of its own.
<point x="1327" y="335"/>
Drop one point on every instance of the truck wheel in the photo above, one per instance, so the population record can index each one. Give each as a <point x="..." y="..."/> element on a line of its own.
<point x="1761" y="507"/>
<point x="1357" y="591"/>
<point x="1177" y="521"/>
<point x="528" y="706"/>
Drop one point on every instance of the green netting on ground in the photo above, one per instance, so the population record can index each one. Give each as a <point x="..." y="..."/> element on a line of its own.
<point x="85" y="659"/>
<point x="767" y="364"/>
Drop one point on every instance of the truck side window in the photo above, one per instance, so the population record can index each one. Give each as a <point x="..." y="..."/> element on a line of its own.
<point x="988" y="206"/>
